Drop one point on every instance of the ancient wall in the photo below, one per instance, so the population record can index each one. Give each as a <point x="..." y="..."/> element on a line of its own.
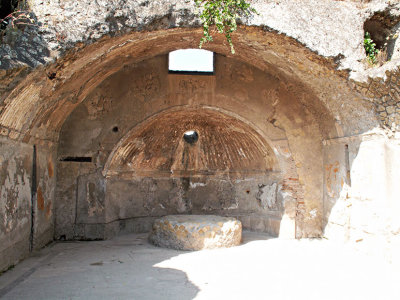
<point x="27" y="179"/>
<point x="88" y="74"/>
<point x="131" y="128"/>
<point x="361" y="197"/>
<point x="16" y="174"/>
<point x="384" y="92"/>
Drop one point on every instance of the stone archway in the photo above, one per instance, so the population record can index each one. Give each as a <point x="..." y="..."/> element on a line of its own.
<point x="287" y="91"/>
<point x="261" y="98"/>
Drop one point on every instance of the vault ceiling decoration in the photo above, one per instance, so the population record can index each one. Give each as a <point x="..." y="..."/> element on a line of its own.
<point x="225" y="145"/>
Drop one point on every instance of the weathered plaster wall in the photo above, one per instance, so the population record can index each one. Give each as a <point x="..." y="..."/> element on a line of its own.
<point x="15" y="202"/>
<point x="18" y="234"/>
<point x="44" y="196"/>
<point x="362" y="197"/>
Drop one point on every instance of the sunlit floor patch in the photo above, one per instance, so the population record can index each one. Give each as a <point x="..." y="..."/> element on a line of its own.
<point x="128" y="267"/>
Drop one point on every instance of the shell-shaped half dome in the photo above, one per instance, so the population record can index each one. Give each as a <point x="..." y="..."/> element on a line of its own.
<point x="191" y="142"/>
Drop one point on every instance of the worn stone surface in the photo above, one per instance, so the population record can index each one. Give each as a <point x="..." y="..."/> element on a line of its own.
<point x="384" y="91"/>
<point x="196" y="232"/>
<point x="135" y="269"/>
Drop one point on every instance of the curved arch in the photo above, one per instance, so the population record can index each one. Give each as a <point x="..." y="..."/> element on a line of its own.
<point x="226" y="146"/>
<point x="283" y="105"/>
<point x="291" y="98"/>
<point x="38" y="107"/>
<point x="306" y="104"/>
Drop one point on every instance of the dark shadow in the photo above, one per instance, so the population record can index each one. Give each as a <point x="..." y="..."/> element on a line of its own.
<point x="22" y="41"/>
<point x="121" y="268"/>
<point x="7" y="7"/>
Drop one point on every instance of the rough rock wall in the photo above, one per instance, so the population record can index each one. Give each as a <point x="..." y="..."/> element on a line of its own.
<point x="63" y="24"/>
<point x="384" y="92"/>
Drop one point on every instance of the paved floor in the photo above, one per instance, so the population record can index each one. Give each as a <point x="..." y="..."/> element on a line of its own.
<point x="127" y="267"/>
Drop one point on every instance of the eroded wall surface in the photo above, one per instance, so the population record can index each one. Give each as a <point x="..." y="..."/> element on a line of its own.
<point x="361" y="196"/>
<point x="15" y="197"/>
<point x="23" y="227"/>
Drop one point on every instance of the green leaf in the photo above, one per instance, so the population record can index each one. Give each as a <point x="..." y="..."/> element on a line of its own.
<point x="222" y="14"/>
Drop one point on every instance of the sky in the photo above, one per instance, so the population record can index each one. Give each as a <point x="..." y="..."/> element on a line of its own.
<point x="191" y="60"/>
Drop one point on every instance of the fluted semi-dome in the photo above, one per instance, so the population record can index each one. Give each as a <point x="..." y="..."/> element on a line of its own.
<point x="192" y="142"/>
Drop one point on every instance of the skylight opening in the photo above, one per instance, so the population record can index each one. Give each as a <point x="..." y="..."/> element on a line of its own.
<point x="191" y="61"/>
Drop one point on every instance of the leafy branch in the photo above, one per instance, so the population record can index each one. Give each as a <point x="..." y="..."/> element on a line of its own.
<point x="223" y="15"/>
<point x="370" y="49"/>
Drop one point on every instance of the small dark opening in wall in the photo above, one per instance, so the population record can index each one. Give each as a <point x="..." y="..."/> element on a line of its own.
<point x="347" y="162"/>
<point x="248" y="192"/>
<point x="5" y="8"/>
<point x="77" y="159"/>
<point x="115" y="129"/>
<point x="191" y="136"/>
<point x="52" y="75"/>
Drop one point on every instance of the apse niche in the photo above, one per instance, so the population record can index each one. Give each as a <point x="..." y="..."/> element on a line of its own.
<point x="163" y="143"/>
<point x="192" y="162"/>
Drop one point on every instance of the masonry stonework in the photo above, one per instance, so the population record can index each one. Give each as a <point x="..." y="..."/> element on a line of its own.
<point x="298" y="135"/>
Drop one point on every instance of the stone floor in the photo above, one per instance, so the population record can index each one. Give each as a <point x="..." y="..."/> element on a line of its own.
<point x="128" y="267"/>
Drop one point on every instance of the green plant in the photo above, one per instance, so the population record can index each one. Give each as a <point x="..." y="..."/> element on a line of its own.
<point x="222" y="14"/>
<point x="370" y="49"/>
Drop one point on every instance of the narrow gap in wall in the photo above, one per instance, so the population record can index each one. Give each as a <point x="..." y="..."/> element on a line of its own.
<point x="77" y="159"/>
<point x="76" y="202"/>
<point x="347" y="159"/>
<point x="33" y="198"/>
